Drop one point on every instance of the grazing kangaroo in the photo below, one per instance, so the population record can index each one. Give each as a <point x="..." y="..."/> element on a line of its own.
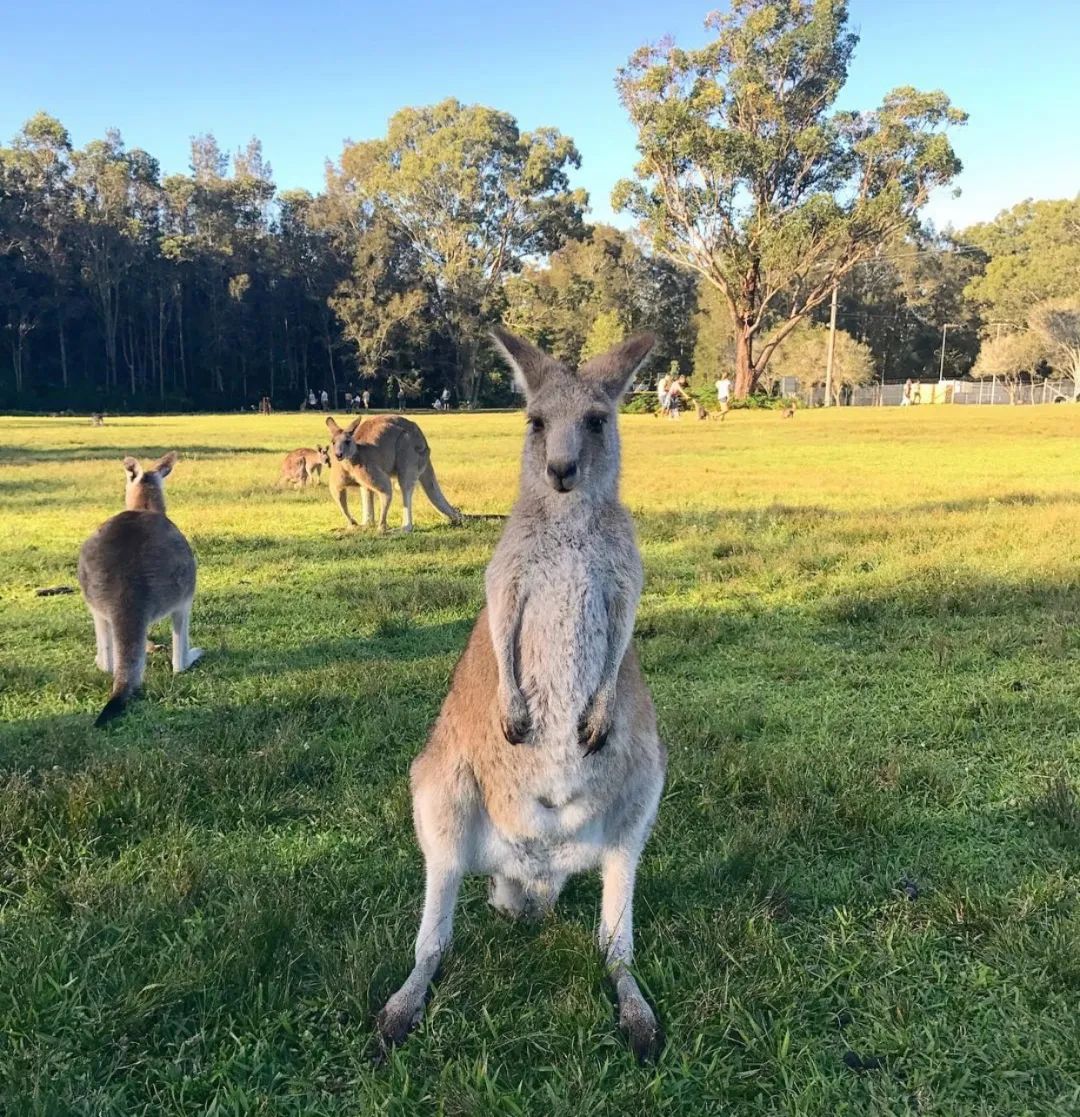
<point x="134" y="570"/>
<point x="545" y="759"/>
<point x="304" y="465"/>
<point x="367" y="454"/>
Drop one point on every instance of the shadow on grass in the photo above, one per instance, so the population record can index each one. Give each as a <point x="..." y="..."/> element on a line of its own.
<point x="983" y="504"/>
<point x="30" y="455"/>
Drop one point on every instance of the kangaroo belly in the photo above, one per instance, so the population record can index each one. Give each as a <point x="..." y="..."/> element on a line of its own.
<point x="545" y="846"/>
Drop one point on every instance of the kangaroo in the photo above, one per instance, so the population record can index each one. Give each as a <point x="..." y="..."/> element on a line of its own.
<point x="304" y="465"/>
<point x="369" y="453"/>
<point x="545" y="759"/>
<point x="134" y="570"/>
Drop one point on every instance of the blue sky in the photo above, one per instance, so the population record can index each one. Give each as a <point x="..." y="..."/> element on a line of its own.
<point x="304" y="77"/>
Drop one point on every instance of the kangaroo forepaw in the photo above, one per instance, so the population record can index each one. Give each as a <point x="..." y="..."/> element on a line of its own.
<point x="593" y="730"/>
<point x="516" y="722"/>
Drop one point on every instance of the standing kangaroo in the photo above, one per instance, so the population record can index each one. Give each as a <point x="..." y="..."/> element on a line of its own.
<point x="368" y="454"/>
<point x="134" y="570"/>
<point x="545" y="759"/>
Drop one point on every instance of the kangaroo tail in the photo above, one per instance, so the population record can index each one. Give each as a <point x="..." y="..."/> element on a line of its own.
<point x="435" y="494"/>
<point x="130" y="649"/>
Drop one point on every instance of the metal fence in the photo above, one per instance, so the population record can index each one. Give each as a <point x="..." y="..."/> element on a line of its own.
<point x="948" y="391"/>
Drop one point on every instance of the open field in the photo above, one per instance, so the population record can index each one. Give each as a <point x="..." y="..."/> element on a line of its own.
<point x="862" y="629"/>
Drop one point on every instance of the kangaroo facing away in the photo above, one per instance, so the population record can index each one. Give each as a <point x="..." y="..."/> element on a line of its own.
<point x="367" y="454"/>
<point x="545" y="759"/>
<point x="134" y="570"/>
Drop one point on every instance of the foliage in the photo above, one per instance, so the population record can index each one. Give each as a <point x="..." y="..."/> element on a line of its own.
<point x="1051" y="341"/>
<point x="714" y="340"/>
<point x="606" y="273"/>
<point x="1032" y="255"/>
<point x="1057" y="323"/>
<point x="863" y="663"/>
<point x="473" y="196"/>
<point x="803" y="354"/>
<point x="747" y="178"/>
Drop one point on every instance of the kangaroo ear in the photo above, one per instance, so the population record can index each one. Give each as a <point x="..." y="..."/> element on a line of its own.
<point x="132" y="469"/>
<point x="355" y="423"/>
<point x="615" y="369"/>
<point x="332" y="425"/>
<point x="164" y="466"/>
<point x="526" y="361"/>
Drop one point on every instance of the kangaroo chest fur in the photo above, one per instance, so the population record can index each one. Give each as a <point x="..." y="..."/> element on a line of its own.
<point x="548" y="817"/>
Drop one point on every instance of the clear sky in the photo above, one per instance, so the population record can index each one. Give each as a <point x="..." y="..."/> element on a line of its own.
<point x="303" y="77"/>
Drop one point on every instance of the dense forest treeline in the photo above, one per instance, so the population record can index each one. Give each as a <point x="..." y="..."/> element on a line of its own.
<point x="123" y="288"/>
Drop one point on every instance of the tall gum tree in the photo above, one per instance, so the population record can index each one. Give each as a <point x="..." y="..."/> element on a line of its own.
<point x="748" y="177"/>
<point x="474" y="196"/>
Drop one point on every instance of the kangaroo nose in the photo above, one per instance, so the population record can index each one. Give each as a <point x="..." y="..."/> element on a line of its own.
<point x="562" y="475"/>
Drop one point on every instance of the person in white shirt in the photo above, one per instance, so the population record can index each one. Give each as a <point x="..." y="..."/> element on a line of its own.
<point x="723" y="393"/>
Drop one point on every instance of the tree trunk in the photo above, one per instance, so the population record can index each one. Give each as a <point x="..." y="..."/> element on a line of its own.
<point x="180" y="331"/>
<point x="745" y="377"/>
<point x="63" y="353"/>
<point x="17" y="360"/>
<point x="330" y="358"/>
<point x="162" y="322"/>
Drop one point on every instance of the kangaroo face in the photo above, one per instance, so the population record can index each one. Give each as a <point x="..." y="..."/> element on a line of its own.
<point x="342" y="440"/>
<point x="572" y="437"/>
<point x="572" y="443"/>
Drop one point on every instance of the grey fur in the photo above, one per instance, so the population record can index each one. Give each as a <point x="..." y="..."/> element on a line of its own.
<point x="134" y="570"/>
<point x="545" y="760"/>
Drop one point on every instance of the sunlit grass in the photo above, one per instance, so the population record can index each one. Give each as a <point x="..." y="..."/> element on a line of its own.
<point x="861" y="630"/>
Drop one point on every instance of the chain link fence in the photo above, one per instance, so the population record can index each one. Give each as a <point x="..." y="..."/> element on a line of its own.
<point x="977" y="392"/>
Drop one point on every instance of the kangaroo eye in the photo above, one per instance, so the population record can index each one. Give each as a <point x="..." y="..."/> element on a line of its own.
<point x="536" y="425"/>
<point x="595" y="423"/>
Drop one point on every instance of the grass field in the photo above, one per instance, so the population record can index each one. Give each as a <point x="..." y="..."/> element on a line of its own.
<point x="861" y="897"/>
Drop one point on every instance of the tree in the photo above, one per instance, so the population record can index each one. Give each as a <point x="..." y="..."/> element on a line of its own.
<point x="605" y="333"/>
<point x="714" y="346"/>
<point x="605" y="273"/>
<point x="1010" y="358"/>
<point x="747" y="178"/>
<point x="1057" y="323"/>
<point x="473" y="195"/>
<point x="380" y="297"/>
<point x="803" y="354"/>
<point x="1032" y="254"/>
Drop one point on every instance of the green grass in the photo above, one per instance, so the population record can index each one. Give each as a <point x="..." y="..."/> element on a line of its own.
<point x="861" y="630"/>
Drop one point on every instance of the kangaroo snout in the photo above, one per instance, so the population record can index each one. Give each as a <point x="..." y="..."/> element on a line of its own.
<point x="562" y="476"/>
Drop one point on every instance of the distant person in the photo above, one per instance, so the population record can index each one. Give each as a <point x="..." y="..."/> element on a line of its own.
<point x="324" y="399"/>
<point x="401" y="397"/>
<point x="445" y="397"/>
<point x="676" y="394"/>
<point x="366" y="398"/>
<point x="312" y="402"/>
<point x="723" y="394"/>
<point x="348" y="401"/>
<point x="905" y="399"/>
<point x="663" y="393"/>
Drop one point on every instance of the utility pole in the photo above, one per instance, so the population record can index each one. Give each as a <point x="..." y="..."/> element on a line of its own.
<point x="944" y="331"/>
<point x="832" y="347"/>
